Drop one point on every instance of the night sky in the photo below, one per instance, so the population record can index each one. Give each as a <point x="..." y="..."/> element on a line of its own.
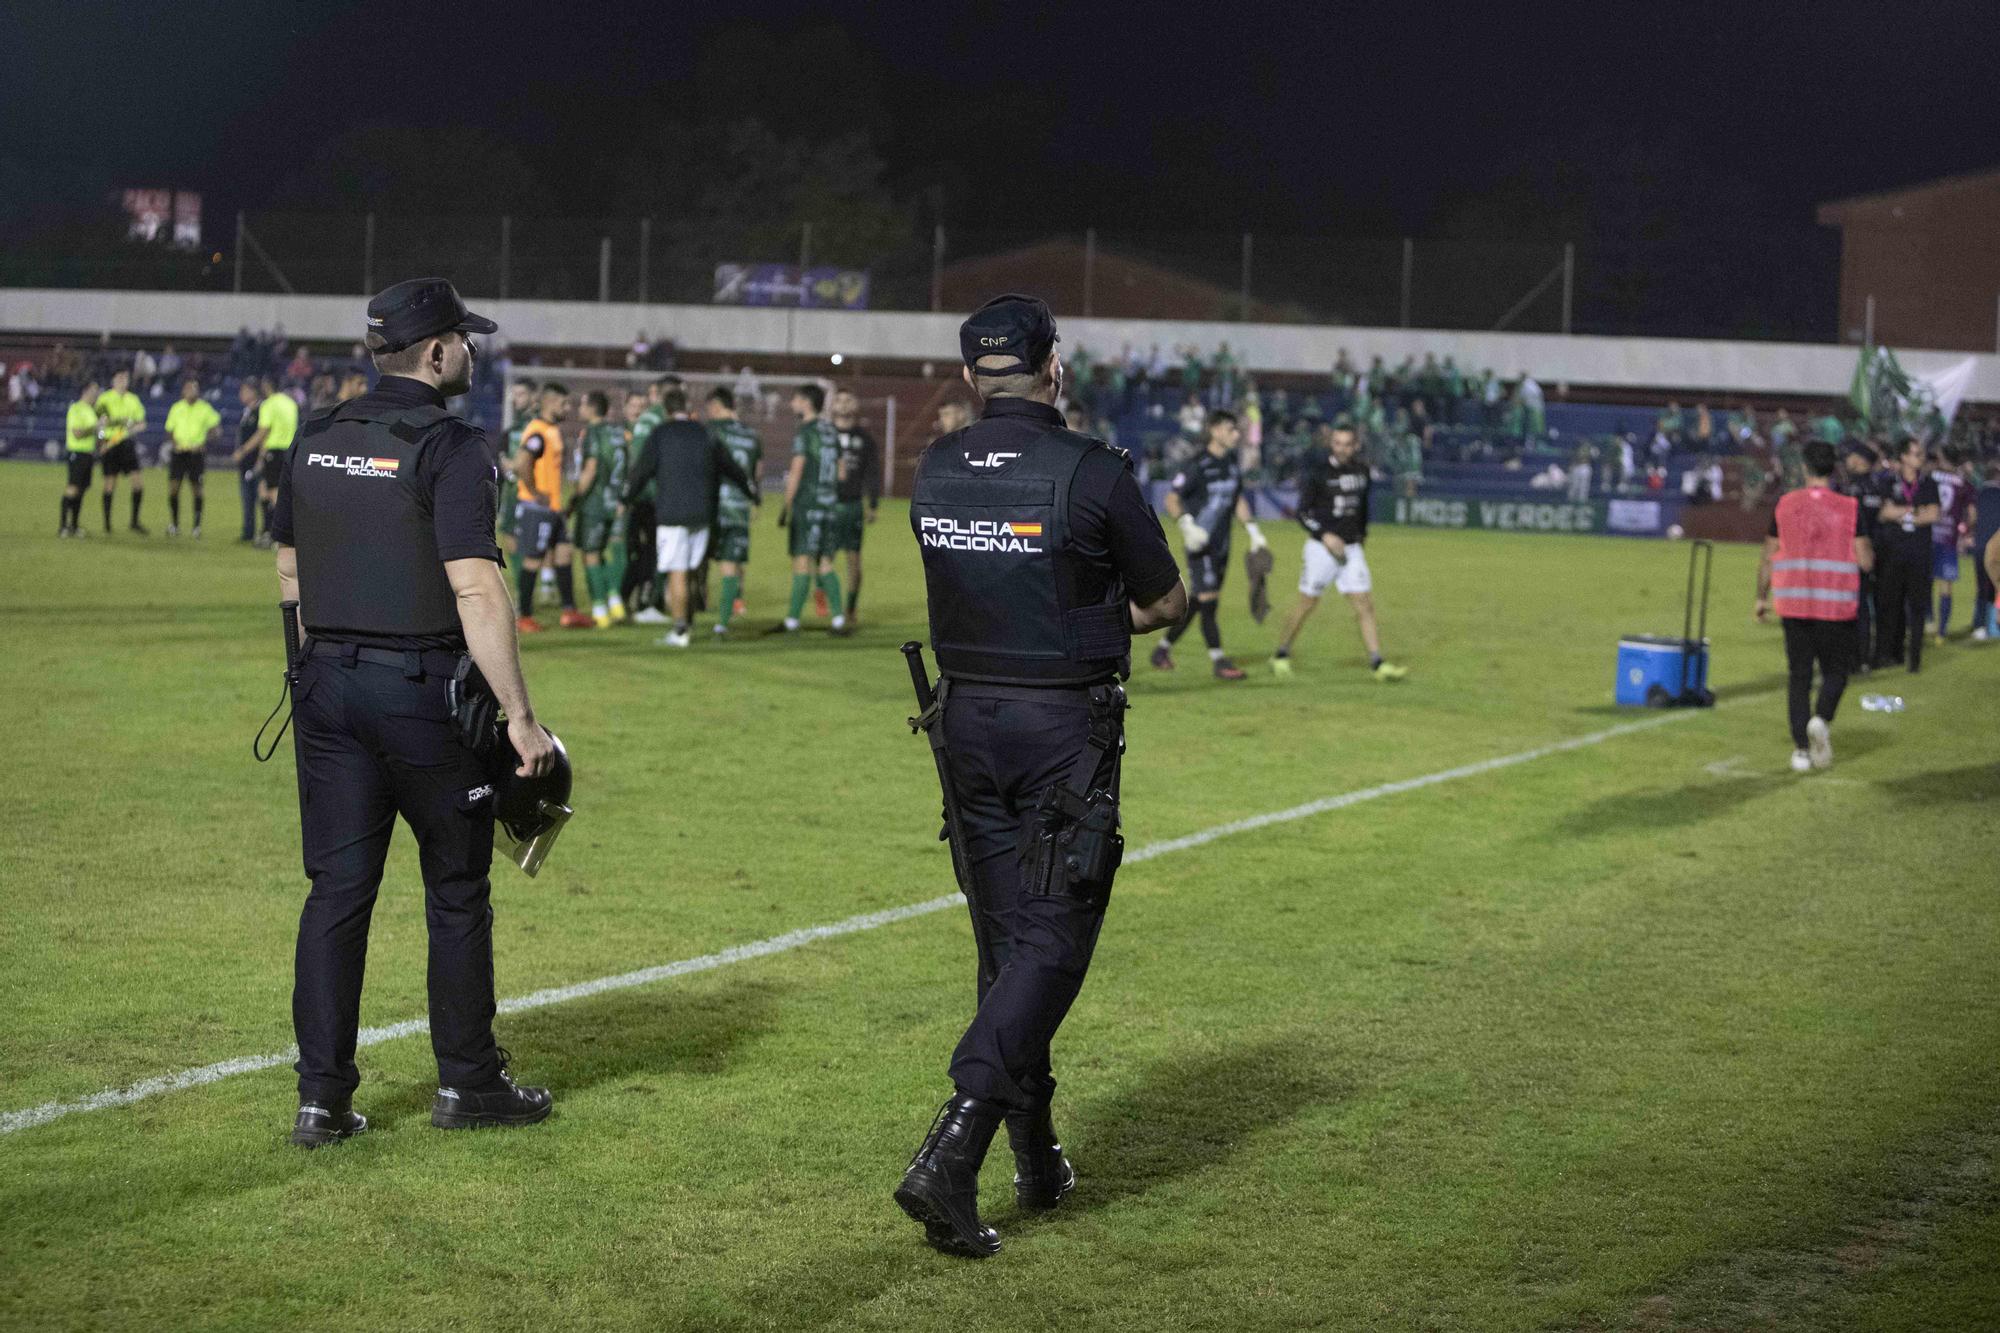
<point x="1362" y="120"/>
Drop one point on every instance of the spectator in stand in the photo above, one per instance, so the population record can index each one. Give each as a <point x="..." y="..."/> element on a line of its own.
<point x="1193" y="417"/>
<point x="170" y="362"/>
<point x="301" y="369"/>
<point x="1157" y="365"/>
<point x="640" y="353"/>
<point x="1672" y="426"/>
<point x="1704" y="427"/>
<point x="1830" y="429"/>
<point x="1628" y="461"/>
<point x="1531" y="399"/>
<point x="1579" y="475"/>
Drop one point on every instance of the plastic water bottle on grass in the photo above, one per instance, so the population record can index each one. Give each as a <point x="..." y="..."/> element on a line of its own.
<point x="1881" y="703"/>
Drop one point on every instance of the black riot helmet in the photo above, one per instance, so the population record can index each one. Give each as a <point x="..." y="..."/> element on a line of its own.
<point x="529" y="812"/>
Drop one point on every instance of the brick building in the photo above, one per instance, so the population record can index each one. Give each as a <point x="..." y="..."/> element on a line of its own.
<point x="1930" y="257"/>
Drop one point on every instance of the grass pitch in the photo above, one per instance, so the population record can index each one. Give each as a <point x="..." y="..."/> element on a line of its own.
<point x="1644" y="1033"/>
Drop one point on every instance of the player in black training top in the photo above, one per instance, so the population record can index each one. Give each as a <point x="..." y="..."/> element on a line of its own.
<point x="1206" y="497"/>
<point x="1333" y="509"/>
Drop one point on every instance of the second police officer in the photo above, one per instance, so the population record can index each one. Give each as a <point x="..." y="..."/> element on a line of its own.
<point x="384" y="528"/>
<point x="1041" y="560"/>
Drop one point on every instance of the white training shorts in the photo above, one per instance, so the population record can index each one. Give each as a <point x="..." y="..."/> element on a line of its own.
<point x="681" y="549"/>
<point x="1349" y="577"/>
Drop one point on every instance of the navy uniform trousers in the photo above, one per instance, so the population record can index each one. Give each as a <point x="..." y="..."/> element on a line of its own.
<point x="1007" y="744"/>
<point x="373" y="743"/>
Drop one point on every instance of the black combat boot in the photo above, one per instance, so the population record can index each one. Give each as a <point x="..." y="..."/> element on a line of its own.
<point x="1043" y="1177"/>
<point x="321" y="1123"/>
<point x="941" y="1188"/>
<point x="500" y="1102"/>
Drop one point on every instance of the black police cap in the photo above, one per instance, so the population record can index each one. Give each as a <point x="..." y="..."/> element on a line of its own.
<point x="1011" y="325"/>
<point x="409" y="312"/>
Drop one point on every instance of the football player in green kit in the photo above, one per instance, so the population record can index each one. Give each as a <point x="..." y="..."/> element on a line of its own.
<point x="600" y="507"/>
<point x="812" y="495"/>
<point x="731" y="547"/>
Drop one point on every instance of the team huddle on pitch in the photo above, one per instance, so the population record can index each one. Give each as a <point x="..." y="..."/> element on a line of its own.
<point x="650" y="496"/>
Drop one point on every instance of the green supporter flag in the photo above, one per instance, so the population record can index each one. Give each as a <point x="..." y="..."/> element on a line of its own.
<point x="1858" y="391"/>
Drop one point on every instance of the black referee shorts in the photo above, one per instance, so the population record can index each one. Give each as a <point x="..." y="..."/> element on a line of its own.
<point x="81" y="464"/>
<point x="120" y="459"/>
<point x="188" y="464"/>
<point x="274" y="466"/>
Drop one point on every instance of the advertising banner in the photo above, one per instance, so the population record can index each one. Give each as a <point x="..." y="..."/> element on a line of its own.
<point x="788" y="284"/>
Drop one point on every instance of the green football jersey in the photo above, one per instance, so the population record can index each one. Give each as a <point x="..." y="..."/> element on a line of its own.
<point x="607" y="444"/>
<point x="819" y="444"/>
<point x="732" y="508"/>
<point x="642" y="426"/>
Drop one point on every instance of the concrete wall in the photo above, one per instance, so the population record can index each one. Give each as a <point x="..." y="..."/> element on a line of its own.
<point x="1687" y="364"/>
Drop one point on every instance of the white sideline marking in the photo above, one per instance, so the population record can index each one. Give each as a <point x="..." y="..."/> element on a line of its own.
<point x="12" y="1121"/>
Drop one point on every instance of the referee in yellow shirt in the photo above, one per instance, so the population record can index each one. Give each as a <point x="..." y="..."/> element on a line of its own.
<point x="191" y="423"/>
<point x="277" y="426"/>
<point x="123" y="416"/>
<point x="81" y="430"/>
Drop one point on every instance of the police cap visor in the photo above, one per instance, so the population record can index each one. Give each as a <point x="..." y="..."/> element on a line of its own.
<point x="421" y="308"/>
<point x="1018" y="326"/>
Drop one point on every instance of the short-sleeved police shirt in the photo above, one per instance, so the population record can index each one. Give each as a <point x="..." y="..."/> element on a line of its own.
<point x="458" y="475"/>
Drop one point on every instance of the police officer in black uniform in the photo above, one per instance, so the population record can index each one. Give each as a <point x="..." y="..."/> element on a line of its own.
<point x="1042" y="559"/>
<point x="384" y="529"/>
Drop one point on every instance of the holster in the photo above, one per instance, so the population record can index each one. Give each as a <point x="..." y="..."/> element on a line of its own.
<point x="474" y="710"/>
<point x="1071" y="845"/>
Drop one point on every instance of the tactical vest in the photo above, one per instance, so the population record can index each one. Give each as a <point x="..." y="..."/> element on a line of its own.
<point x="1002" y="571"/>
<point x="366" y="542"/>
<point x="1814" y="576"/>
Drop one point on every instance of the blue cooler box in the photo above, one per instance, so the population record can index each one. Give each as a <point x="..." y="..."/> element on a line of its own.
<point x="1649" y="660"/>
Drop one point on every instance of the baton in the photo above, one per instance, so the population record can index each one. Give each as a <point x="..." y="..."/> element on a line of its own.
<point x="288" y="612"/>
<point x="913" y="655"/>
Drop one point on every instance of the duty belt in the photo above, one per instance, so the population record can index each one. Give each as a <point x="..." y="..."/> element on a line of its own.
<point x="414" y="663"/>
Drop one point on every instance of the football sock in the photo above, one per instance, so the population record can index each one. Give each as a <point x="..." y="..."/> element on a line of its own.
<point x="197" y="508"/>
<point x="566" y="587"/>
<point x="1374" y="660"/>
<point x="854" y="595"/>
<point x="801" y="585"/>
<point x="63" y="524"/>
<point x="1944" y="613"/>
<point x="107" y="511"/>
<point x="593" y="582"/>
<point x="137" y="495"/>
<point x="263" y="509"/>
<point x="830" y="584"/>
<point x="524" y="579"/>
<point x="614" y="573"/>
<point x="174" y="510"/>
<point x="732" y="586"/>
<point x="1211" y="633"/>
<point x="1215" y="654"/>
<point x="1178" y="628"/>
<point x="1283" y="650"/>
